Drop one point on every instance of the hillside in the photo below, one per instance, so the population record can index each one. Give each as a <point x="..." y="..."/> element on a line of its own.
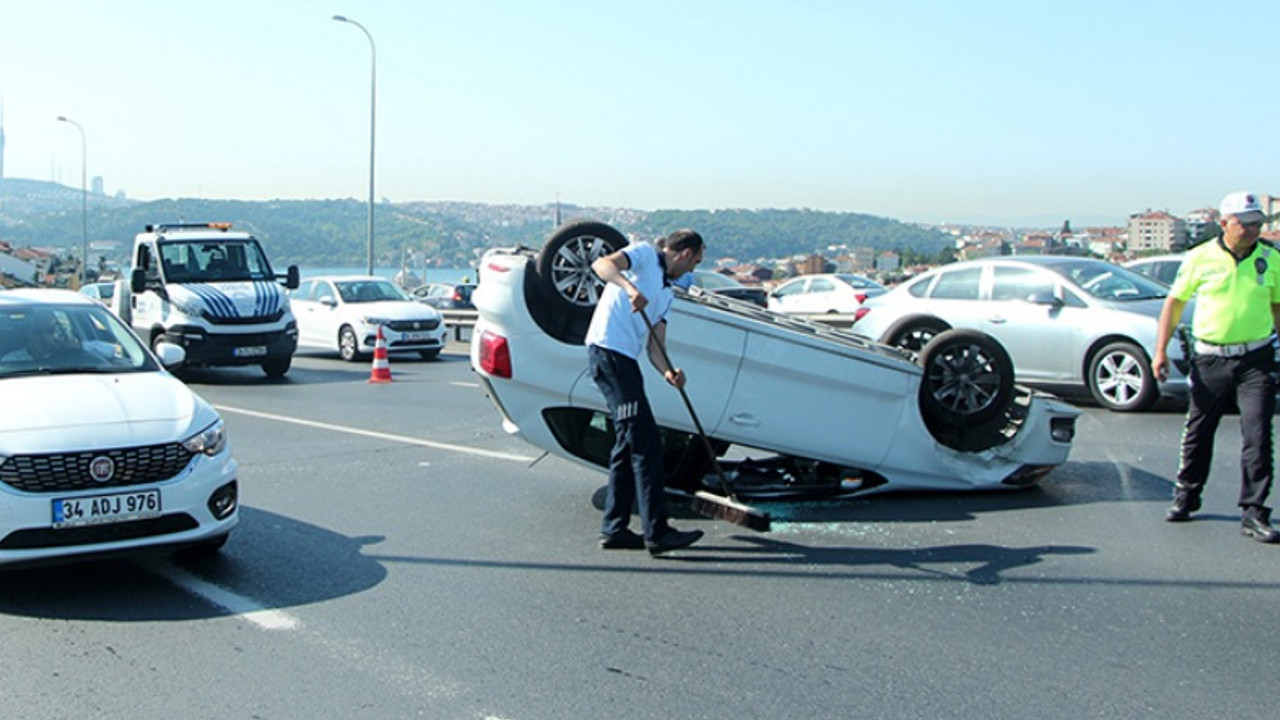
<point x="453" y="234"/>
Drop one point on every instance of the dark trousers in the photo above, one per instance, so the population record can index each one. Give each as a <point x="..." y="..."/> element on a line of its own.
<point x="1250" y="380"/>
<point x="635" y="464"/>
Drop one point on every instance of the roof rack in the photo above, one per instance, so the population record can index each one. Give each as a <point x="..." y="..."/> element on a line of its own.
<point x="223" y="226"/>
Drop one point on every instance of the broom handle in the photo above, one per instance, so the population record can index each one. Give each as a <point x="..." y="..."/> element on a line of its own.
<point x="711" y="453"/>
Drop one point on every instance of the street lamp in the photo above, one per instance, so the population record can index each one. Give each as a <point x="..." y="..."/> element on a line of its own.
<point x="373" y="105"/>
<point x="84" y="201"/>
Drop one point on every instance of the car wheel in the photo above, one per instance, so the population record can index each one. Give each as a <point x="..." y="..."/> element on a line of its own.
<point x="1120" y="378"/>
<point x="913" y="333"/>
<point x="429" y="354"/>
<point x="348" y="344"/>
<point x="968" y="378"/>
<point x="564" y="290"/>
<point x="276" y="367"/>
<point x="564" y="264"/>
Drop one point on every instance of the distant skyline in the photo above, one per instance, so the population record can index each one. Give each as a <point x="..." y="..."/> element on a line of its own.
<point x="995" y="113"/>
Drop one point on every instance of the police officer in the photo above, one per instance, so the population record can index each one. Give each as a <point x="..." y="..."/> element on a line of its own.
<point x="1236" y="282"/>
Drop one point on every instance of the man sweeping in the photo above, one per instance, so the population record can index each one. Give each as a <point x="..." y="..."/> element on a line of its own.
<point x="638" y="279"/>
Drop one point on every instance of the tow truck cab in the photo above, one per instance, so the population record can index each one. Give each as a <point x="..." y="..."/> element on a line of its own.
<point x="212" y="291"/>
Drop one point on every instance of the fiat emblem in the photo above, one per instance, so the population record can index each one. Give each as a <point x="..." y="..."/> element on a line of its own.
<point x="102" y="468"/>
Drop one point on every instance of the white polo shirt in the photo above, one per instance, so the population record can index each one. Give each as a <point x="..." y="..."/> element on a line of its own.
<point x="613" y="325"/>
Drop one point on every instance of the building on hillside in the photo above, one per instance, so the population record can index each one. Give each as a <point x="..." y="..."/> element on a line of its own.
<point x="1156" y="231"/>
<point x="888" y="261"/>
<point x="812" y="265"/>
<point x="864" y="257"/>
<point x="1201" y="224"/>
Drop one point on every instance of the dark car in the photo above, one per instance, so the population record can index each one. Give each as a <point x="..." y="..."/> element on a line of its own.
<point x="445" y="296"/>
<point x="725" y="286"/>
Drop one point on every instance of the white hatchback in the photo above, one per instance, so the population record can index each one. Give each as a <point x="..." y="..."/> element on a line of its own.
<point x="101" y="449"/>
<point x="344" y="313"/>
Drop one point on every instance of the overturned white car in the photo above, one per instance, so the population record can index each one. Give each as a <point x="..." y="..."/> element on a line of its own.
<point x="810" y="410"/>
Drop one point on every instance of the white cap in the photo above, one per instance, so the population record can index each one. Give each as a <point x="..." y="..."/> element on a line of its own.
<point x="1244" y="205"/>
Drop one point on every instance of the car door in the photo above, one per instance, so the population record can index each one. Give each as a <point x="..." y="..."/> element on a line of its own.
<point x="790" y="297"/>
<point x="1027" y="313"/>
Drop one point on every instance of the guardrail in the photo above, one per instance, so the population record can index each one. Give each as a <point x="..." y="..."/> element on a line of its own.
<point x="461" y="321"/>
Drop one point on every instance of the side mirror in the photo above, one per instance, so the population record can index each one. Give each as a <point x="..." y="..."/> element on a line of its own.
<point x="292" y="277"/>
<point x="329" y="302"/>
<point x="170" y="355"/>
<point x="1044" y="297"/>
<point x="138" y="280"/>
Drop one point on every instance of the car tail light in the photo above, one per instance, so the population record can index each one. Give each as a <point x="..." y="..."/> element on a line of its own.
<point x="861" y="297"/>
<point x="495" y="355"/>
<point x="860" y="313"/>
<point x="457" y="296"/>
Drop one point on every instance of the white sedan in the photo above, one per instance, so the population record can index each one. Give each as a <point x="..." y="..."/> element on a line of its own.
<point x="839" y="413"/>
<point x="343" y="313"/>
<point x="827" y="293"/>
<point x="101" y="449"/>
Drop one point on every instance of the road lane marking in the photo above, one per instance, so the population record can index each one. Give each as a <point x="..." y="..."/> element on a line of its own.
<point x="239" y="606"/>
<point x="380" y="436"/>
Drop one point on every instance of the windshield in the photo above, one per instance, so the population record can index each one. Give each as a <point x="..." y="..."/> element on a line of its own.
<point x="858" y="282"/>
<point x="40" y="338"/>
<point x="362" y="291"/>
<point x="1111" y="282"/>
<point x="213" y="261"/>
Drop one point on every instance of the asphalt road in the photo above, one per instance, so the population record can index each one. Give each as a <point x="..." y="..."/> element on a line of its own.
<point x="400" y="556"/>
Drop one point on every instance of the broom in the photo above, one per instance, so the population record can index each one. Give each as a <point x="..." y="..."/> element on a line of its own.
<point x="725" y="508"/>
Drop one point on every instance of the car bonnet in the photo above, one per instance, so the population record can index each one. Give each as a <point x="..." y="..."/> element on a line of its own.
<point x="62" y="412"/>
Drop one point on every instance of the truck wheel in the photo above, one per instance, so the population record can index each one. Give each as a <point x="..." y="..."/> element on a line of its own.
<point x="968" y="378"/>
<point x="276" y="367"/>
<point x="348" y="344"/>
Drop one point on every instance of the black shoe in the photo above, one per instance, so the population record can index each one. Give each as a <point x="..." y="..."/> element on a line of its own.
<point x="1182" y="507"/>
<point x="1259" y="529"/>
<point x="672" y="539"/>
<point x="624" y="539"/>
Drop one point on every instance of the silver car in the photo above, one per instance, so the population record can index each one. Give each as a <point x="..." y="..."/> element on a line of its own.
<point x="1069" y="323"/>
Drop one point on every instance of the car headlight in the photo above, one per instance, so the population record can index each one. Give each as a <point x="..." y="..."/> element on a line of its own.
<point x="209" y="441"/>
<point x="376" y="321"/>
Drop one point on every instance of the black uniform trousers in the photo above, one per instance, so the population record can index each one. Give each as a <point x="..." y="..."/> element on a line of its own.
<point x="636" y="462"/>
<point x="1250" y="380"/>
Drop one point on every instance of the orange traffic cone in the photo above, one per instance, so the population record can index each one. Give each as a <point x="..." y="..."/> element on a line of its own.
<point x="381" y="372"/>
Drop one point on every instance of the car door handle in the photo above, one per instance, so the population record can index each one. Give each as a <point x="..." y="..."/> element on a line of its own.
<point x="745" y="420"/>
<point x="997" y="320"/>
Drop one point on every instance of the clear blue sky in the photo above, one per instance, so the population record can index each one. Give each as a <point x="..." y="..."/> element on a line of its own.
<point x="1013" y="113"/>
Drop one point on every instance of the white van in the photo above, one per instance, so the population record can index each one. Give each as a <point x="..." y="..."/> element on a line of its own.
<point x="211" y="291"/>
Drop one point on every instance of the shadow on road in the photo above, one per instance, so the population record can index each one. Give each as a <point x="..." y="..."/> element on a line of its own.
<point x="270" y="560"/>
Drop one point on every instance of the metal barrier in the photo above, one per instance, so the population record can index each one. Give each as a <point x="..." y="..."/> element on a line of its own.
<point x="460" y="320"/>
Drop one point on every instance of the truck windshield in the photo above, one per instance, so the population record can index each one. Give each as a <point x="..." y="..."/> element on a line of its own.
<point x="214" y="261"/>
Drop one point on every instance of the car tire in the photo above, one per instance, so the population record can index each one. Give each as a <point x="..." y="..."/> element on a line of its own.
<point x="1121" y="379"/>
<point x="348" y="344"/>
<point x="277" y="367"/>
<point x="913" y="333"/>
<point x="566" y="290"/>
<point x="968" y="379"/>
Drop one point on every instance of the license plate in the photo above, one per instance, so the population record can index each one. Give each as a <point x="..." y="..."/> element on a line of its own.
<point x="101" y="509"/>
<point x="250" y="351"/>
<point x="415" y="337"/>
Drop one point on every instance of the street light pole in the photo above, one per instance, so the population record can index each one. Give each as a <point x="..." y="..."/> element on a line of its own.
<point x="84" y="200"/>
<point x="373" y="106"/>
